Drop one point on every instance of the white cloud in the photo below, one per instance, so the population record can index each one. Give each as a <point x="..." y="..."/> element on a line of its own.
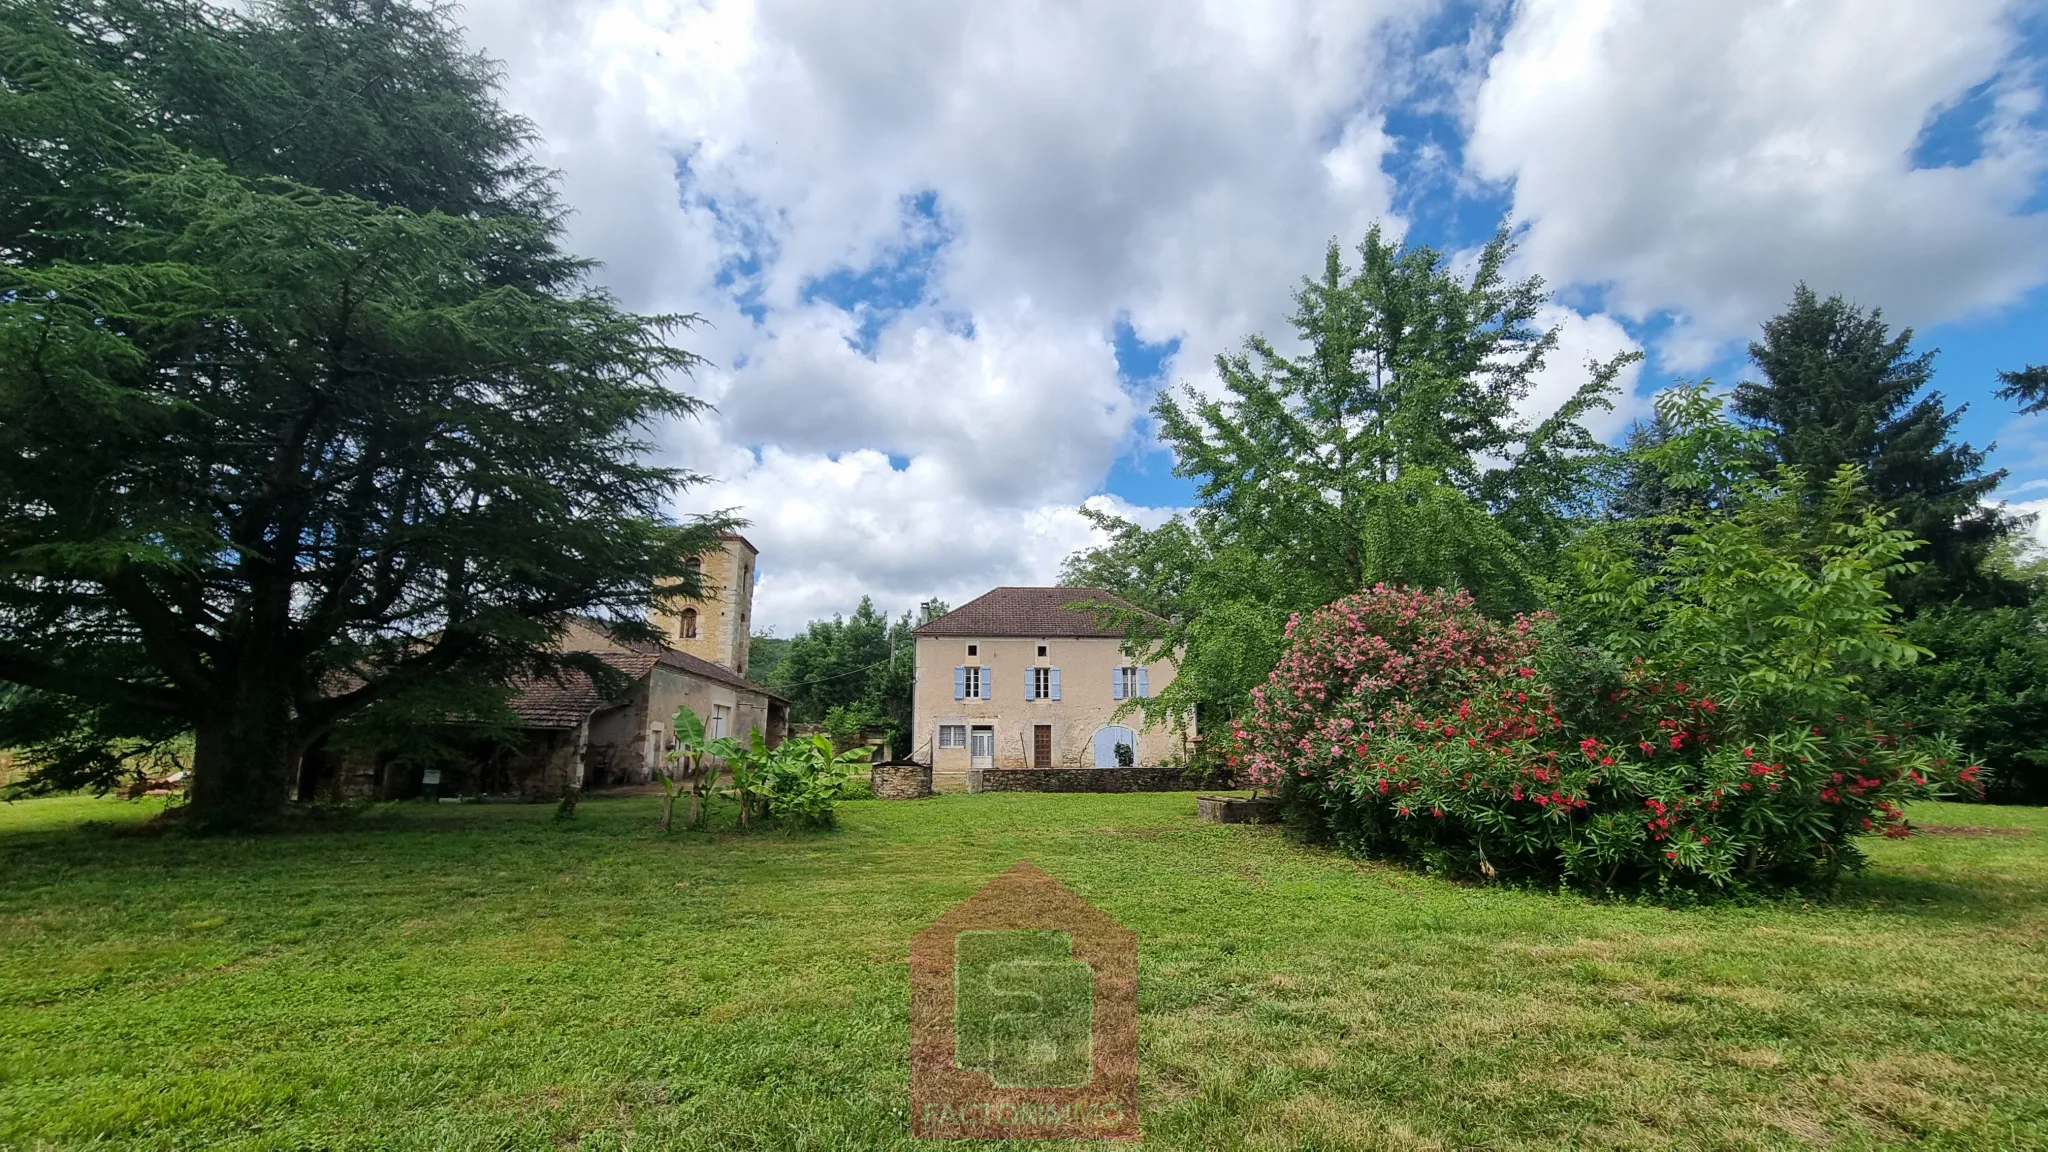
<point x="1583" y="340"/>
<point x="2038" y="509"/>
<point x="1025" y="174"/>
<point x="1181" y="166"/>
<point x="1703" y="158"/>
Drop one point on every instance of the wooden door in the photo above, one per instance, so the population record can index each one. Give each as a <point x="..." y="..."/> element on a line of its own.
<point x="1041" y="745"/>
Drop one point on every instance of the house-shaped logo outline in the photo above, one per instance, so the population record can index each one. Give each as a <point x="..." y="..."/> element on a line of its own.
<point x="948" y="1101"/>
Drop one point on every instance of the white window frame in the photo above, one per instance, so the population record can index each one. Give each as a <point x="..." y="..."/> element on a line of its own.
<point x="1041" y="683"/>
<point x="719" y="715"/>
<point x="972" y="680"/>
<point x="952" y="736"/>
<point x="1128" y="674"/>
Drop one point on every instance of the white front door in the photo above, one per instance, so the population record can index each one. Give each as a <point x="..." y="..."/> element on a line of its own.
<point x="981" y="747"/>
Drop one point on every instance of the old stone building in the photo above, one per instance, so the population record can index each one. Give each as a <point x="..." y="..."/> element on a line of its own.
<point x="572" y="735"/>
<point x="718" y="627"/>
<point x="1016" y="679"/>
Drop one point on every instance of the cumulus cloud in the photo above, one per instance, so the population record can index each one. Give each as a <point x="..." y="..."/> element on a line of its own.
<point x="1700" y="159"/>
<point x="1582" y="341"/>
<point x="913" y="228"/>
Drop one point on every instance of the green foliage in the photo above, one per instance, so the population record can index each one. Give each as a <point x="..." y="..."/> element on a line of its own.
<point x="2028" y="387"/>
<point x="1986" y="684"/>
<point x="1779" y="602"/>
<point x="1840" y="389"/>
<point x="804" y="779"/>
<point x="1698" y="718"/>
<point x="303" y="414"/>
<point x="1150" y="568"/>
<point x="764" y="651"/>
<point x="1390" y="451"/>
<point x="862" y="665"/>
<point x="849" y="724"/>
<point x="693" y="764"/>
<point x="746" y="767"/>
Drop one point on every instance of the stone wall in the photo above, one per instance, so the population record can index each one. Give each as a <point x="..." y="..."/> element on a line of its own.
<point x="900" y="781"/>
<point x="1079" y="780"/>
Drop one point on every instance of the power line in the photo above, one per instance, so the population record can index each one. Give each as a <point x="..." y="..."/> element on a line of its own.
<point x="889" y="659"/>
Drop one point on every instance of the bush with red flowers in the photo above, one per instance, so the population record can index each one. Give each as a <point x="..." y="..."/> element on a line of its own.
<point x="1403" y="723"/>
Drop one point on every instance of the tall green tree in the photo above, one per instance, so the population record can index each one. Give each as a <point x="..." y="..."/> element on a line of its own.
<point x="1840" y="388"/>
<point x="858" y="669"/>
<point x="1390" y="449"/>
<point x="304" y="414"/>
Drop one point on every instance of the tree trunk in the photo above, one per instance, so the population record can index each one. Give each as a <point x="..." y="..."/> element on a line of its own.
<point x="244" y="758"/>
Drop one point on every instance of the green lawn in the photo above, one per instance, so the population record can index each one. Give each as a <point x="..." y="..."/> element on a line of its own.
<point x="484" y="977"/>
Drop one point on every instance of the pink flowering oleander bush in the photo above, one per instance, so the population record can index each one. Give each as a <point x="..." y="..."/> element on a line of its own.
<point x="1403" y="723"/>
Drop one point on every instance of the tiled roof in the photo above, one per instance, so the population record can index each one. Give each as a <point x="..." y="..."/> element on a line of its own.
<point x="684" y="662"/>
<point x="568" y="699"/>
<point x="1029" y="612"/>
<point x="697" y="665"/>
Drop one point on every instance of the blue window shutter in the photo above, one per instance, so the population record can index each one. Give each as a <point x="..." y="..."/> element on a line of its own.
<point x="1144" y="688"/>
<point x="1116" y="683"/>
<point x="960" y="683"/>
<point x="988" y="684"/>
<point x="1055" y="683"/>
<point x="1030" y="684"/>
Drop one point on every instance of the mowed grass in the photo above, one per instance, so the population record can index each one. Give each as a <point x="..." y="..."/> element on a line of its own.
<point x="485" y="977"/>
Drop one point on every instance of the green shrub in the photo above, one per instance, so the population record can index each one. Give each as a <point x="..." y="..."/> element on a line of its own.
<point x="803" y="780"/>
<point x="1987" y="685"/>
<point x="1695" y="718"/>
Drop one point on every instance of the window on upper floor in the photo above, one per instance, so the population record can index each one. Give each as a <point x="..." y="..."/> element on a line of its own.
<point x="1130" y="683"/>
<point x="686" y="628"/>
<point x="1042" y="683"/>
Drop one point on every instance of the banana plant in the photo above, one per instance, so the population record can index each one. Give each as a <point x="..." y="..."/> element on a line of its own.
<point x="693" y="764"/>
<point x="805" y="778"/>
<point x="746" y="770"/>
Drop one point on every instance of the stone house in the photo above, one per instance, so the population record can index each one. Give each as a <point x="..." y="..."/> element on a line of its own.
<point x="626" y="738"/>
<point x="1017" y="679"/>
<point x="570" y="735"/>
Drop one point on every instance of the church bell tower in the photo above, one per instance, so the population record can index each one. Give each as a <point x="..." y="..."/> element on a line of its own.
<point x="717" y="627"/>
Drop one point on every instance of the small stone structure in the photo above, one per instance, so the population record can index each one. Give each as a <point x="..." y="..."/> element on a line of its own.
<point x="1078" y="780"/>
<point x="1238" y="809"/>
<point x="900" y="780"/>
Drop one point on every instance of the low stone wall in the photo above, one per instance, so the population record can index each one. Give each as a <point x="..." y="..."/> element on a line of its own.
<point x="1079" y="780"/>
<point x="900" y="781"/>
<point x="1238" y="809"/>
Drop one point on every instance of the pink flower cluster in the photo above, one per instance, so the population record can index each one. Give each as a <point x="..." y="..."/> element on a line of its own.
<point x="1412" y="723"/>
<point x="1352" y="660"/>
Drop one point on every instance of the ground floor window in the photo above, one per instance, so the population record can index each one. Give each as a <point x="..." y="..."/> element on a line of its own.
<point x="952" y="735"/>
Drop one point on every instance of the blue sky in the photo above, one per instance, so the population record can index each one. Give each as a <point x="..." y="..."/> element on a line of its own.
<point x="947" y="254"/>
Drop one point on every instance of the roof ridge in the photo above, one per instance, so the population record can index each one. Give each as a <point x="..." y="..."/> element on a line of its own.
<point x="1032" y="610"/>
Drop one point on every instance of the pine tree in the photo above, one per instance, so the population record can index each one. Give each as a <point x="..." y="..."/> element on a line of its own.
<point x="1840" y="388"/>
<point x="304" y="415"/>
<point x="2028" y="386"/>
